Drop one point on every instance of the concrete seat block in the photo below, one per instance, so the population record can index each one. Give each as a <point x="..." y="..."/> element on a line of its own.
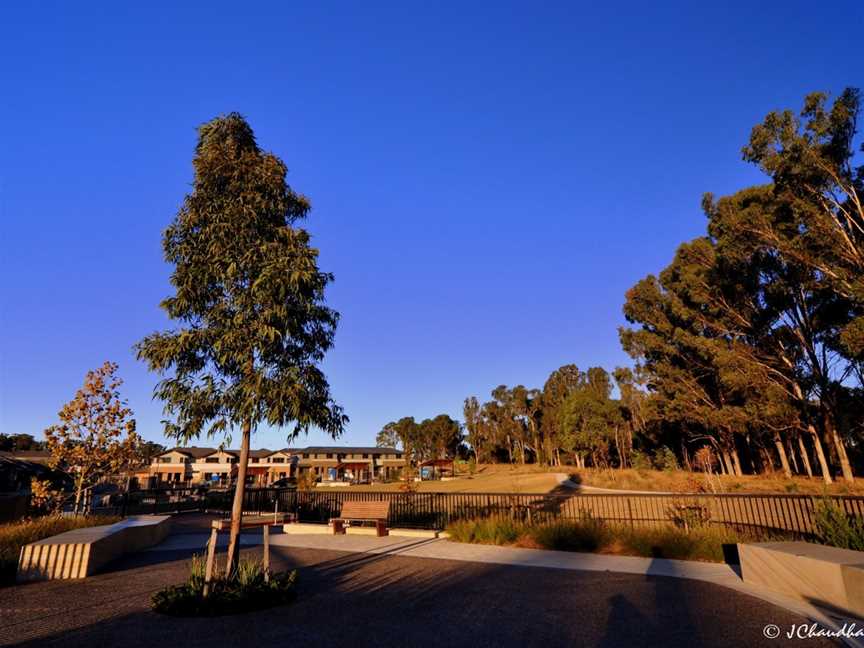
<point x="82" y="552"/>
<point x="816" y="573"/>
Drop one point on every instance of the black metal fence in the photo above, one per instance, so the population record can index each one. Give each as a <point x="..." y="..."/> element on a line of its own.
<point x="784" y="513"/>
<point x="773" y="513"/>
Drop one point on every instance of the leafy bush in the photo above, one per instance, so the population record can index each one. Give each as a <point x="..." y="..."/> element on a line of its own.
<point x="665" y="459"/>
<point x="247" y="589"/>
<point x="585" y="534"/>
<point x="15" y="535"/>
<point x="834" y="527"/>
<point x="640" y="460"/>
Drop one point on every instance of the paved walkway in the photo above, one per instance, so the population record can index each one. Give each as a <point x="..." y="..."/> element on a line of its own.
<point x="441" y="549"/>
<point x="367" y="591"/>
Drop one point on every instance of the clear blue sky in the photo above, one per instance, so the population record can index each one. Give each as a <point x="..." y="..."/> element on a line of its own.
<point x="486" y="182"/>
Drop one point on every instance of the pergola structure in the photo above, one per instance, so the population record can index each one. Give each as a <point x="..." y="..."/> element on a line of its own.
<point x="359" y="470"/>
<point x="439" y="466"/>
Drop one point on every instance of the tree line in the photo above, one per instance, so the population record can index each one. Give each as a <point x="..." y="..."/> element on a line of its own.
<point x="748" y="347"/>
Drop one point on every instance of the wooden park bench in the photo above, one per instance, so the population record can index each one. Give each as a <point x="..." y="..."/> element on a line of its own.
<point x="353" y="511"/>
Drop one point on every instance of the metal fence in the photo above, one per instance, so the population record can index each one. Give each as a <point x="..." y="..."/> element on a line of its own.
<point x="742" y="512"/>
<point x="793" y="514"/>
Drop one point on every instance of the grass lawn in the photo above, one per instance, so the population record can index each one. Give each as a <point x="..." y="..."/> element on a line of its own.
<point x="504" y="478"/>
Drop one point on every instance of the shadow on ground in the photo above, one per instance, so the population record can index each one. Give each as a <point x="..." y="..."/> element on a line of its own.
<point x="394" y="600"/>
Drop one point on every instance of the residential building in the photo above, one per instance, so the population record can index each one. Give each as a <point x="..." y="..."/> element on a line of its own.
<point x="215" y="466"/>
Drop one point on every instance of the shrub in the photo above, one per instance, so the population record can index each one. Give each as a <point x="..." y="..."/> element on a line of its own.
<point x="701" y="543"/>
<point x="15" y="535"/>
<point x="585" y="534"/>
<point x="496" y="530"/>
<point x="247" y="589"/>
<point x="665" y="459"/>
<point x="834" y="527"/>
<point x="640" y="460"/>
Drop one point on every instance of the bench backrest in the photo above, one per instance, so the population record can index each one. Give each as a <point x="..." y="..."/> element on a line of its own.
<point x="379" y="510"/>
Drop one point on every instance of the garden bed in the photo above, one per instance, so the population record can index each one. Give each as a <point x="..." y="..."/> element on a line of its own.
<point x="249" y="588"/>
<point x="705" y="543"/>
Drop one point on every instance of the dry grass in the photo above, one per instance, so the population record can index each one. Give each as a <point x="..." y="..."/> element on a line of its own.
<point x="15" y="535"/>
<point x="505" y="478"/>
<point x="488" y="479"/>
<point x="680" y="481"/>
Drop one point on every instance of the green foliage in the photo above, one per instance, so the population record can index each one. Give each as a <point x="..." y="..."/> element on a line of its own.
<point x="497" y="530"/>
<point x="15" y="535"/>
<point x="586" y="534"/>
<point x="251" y="322"/>
<point x="640" y="460"/>
<point x="247" y="590"/>
<point x="591" y="535"/>
<point x="665" y="459"/>
<point x="834" y="527"/>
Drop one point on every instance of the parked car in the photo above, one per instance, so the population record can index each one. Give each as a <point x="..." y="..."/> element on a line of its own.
<point x="285" y="482"/>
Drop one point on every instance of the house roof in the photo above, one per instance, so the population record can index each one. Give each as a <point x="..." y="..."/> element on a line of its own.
<point x="197" y="452"/>
<point x="349" y="450"/>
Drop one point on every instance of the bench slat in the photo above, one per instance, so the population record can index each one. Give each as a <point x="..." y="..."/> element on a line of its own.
<point x="365" y="510"/>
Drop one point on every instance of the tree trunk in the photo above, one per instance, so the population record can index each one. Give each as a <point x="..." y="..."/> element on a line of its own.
<point x="767" y="463"/>
<point x="793" y="459"/>
<point x="78" y="490"/>
<point x="736" y="462"/>
<point x="237" y="508"/>
<point x="725" y="464"/>
<point x="781" y="452"/>
<point x="805" y="458"/>
<point x="820" y="454"/>
<point x="840" y="448"/>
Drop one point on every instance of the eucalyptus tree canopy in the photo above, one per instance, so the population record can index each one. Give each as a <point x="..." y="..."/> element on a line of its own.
<point x="251" y="325"/>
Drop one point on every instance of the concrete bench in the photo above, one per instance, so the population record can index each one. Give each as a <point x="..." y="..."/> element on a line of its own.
<point x="82" y="552"/>
<point x="822" y="575"/>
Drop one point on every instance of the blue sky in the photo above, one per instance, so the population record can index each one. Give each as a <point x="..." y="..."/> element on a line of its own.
<point x="486" y="181"/>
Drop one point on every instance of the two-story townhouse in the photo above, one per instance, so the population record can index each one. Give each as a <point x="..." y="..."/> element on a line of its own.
<point x="218" y="467"/>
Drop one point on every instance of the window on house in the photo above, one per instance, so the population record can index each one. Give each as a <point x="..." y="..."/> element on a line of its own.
<point x="211" y="460"/>
<point x="278" y="460"/>
<point x="329" y="455"/>
<point x="366" y="456"/>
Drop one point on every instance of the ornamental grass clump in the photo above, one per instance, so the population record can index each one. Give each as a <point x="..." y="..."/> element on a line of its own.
<point x="249" y="587"/>
<point x="834" y="527"/>
<point x="497" y="530"/>
<point x="585" y="534"/>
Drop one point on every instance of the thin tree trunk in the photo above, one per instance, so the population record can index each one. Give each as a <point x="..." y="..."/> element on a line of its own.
<point x="790" y="449"/>
<point x="725" y="464"/>
<point x="237" y="508"/>
<point x="736" y="462"/>
<point x="802" y="449"/>
<point x="820" y="454"/>
<point x="781" y="452"/>
<point x="840" y="447"/>
<point x="767" y="463"/>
